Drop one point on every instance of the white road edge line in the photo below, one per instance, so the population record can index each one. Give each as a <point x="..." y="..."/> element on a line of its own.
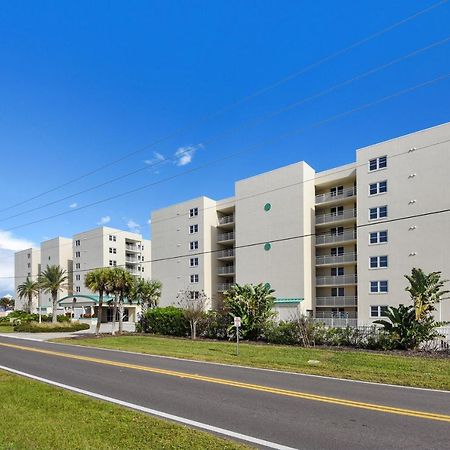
<point x="153" y="412"/>
<point x="239" y="366"/>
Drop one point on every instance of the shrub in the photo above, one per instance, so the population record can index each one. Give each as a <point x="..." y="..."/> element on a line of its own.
<point x="215" y="325"/>
<point x="299" y="331"/>
<point x="34" y="327"/>
<point x="169" y="321"/>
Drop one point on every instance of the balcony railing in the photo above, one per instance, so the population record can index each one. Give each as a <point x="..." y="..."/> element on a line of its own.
<point x="336" y="259"/>
<point x="221" y="287"/>
<point x="347" y="300"/>
<point x="348" y="235"/>
<point x="131" y="260"/>
<point x="336" y="315"/>
<point x="225" y="270"/>
<point x="337" y="322"/>
<point x="225" y="237"/>
<point x="331" y="196"/>
<point x="335" y="217"/>
<point x="226" y="219"/>
<point x="227" y="253"/>
<point x="131" y="248"/>
<point x="336" y="280"/>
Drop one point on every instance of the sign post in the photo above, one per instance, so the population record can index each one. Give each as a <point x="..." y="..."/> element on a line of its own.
<point x="237" y="324"/>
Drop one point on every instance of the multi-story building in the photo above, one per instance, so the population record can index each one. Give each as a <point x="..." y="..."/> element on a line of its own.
<point x="334" y="244"/>
<point x="27" y="264"/>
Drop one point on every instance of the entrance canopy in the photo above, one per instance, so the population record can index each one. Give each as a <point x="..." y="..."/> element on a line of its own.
<point x="88" y="300"/>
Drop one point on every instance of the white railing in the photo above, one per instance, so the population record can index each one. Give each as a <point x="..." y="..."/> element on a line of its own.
<point x="335" y="322"/>
<point x="131" y="248"/>
<point x="224" y="286"/>
<point x="225" y="236"/>
<point x="225" y="253"/>
<point x="346" y="300"/>
<point x="335" y="259"/>
<point x="226" y="219"/>
<point x="335" y="217"/>
<point x="336" y="280"/>
<point x="349" y="192"/>
<point x="225" y="270"/>
<point x="349" y="235"/>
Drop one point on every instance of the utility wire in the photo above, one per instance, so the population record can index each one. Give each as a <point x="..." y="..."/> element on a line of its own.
<point x="240" y="152"/>
<point x="231" y="131"/>
<point x="244" y="99"/>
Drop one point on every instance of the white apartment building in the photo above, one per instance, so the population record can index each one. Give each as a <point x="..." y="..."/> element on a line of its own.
<point x="27" y="264"/>
<point x="334" y="244"/>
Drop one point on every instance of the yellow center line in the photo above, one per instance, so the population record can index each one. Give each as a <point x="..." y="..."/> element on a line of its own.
<point x="241" y="385"/>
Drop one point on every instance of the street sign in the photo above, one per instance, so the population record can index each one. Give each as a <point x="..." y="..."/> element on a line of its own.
<point x="237" y="321"/>
<point x="237" y="324"/>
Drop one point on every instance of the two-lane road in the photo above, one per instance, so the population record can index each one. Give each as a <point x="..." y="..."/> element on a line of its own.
<point x="284" y="410"/>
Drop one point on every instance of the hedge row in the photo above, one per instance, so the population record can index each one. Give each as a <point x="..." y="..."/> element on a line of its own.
<point x="34" y="327"/>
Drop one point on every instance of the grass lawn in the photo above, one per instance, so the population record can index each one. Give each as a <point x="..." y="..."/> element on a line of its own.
<point x="420" y="371"/>
<point x="38" y="416"/>
<point x="6" y="328"/>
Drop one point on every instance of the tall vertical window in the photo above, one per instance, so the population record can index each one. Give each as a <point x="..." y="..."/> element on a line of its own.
<point x="377" y="163"/>
<point x="194" y="278"/>
<point x="337" y="190"/>
<point x="193" y="262"/>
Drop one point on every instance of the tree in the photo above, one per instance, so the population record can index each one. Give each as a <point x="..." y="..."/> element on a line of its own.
<point x="7" y="302"/>
<point x="193" y="304"/>
<point x="253" y="304"/>
<point x="122" y="284"/>
<point x="52" y="280"/>
<point x="147" y="293"/>
<point x="425" y="291"/>
<point x="28" y="289"/>
<point x="98" y="281"/>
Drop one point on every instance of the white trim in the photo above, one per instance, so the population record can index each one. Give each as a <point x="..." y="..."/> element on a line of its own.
<point x="154" y="412"/>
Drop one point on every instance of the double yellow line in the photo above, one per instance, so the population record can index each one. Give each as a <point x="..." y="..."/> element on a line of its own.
<point x="240" y="385"/>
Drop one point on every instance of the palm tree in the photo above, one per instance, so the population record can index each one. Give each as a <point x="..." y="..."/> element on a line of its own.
<point x="52" y="280"/>
<point x="114" y="276"/>
<point x="425" y="291"/>
<point x="123" y="286"/>
<point x="148" y="293"/>
<point x="98" y="281"/>
<point x="28" y="289"/>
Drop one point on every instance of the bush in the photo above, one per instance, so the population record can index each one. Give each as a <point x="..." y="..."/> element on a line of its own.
<point x="296" y="332"/>
<point x="169" y="321"/>
<point x="23" y="316"/>
<point x="215" y="325"/>
<point x="34" y="327"/>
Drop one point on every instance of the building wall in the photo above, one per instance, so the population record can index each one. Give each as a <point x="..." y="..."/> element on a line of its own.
<point x="417" y="184"/>
<point x="27" y="264"/>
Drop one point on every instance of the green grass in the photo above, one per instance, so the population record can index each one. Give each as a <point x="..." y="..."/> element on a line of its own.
<point x="419" y="371"/>
<point x="6" y="328"/>
<point x="38" y="416"/>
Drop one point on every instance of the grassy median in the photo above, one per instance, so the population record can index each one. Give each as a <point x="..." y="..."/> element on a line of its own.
<point x="388" y="367"/>
<point x="39" y="416"/>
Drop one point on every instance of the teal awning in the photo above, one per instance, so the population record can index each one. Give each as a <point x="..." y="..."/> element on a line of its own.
<point x="88" y="300"/>
<point x="288" y="300"/>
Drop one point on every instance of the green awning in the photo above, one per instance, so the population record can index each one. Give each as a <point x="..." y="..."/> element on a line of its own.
<point x="288" y="300"/>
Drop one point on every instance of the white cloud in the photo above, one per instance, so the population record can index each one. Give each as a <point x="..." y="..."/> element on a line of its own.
<point x="104" y="220"/>
<point x="8" y="245"/>
<point x="73" y="205"/>
<point x="133" y="226"/>
<point x="184" y="155"/>
<point x="157" y="157"/>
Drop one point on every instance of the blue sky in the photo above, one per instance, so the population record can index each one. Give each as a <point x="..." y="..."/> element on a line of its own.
<point x="83" y="83"/>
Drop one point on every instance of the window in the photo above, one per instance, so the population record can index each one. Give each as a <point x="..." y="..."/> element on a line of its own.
<point x="194" y="278"/>
<point x="112" y="250"/>
<point x="337" y="211"/>
<point x="338" y="190"/>
<point x="114" y="239"/>
<point x="193" y="229"/>
<point x="193" y="262"/>
<point x="110" y="237"/>
<point x="29" y="265"/>
<point x="110" y="262"/>
<point x="29" y="274"/>
<point x="28" y="255"/>
<point x="380" y="187"/>
<point x="337" y="292"/>
<point x="195" y="295"/>
<point x="336" y="231"/>
<point x="378" y="237"/>
<point x="114" y="263"/>
<point x="377" y="287"/>
<point x="77" y="265"/>
<point x="378" y="163"/>
<point x="77" y="254"/>
<point x="78" y="289"/>
<point x="193" y="212"/>
<point x="78" y="277"/>
<point x="378" y="262"/>
<point x="378" y="311"/>
<point x="142" y="269"/>
<point x="337" y="251"/>
<point x="379" y="212"/>
<point x="77" y="243"/>
<point x="49" y="258"/>
<point x="193" y="245"/>
<point x="336" y="271"/>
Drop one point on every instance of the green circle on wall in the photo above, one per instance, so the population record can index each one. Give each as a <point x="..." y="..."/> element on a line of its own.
<point x="267" y="286"/>
<point x="267" y="246"/>
<point x="267" y="207"/>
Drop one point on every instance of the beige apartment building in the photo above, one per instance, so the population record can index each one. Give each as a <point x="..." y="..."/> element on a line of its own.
<point x="27" y="264"/>
<point x="334" y="245"/>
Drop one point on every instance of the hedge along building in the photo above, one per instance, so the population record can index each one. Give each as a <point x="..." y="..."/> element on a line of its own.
<point x="334" y="245"/>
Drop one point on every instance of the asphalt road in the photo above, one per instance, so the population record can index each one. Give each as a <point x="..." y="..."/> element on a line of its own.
<point x="291" y="410"/>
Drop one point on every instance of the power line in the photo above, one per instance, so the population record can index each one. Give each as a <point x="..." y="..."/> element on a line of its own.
<point x="254" y="244"/>
<point x="253" y="122"/>
<point x="244" y="99"/>
<point x="234" y="154"/>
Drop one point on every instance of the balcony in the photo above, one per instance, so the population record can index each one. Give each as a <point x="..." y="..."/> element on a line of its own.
<point x="226" y="254"/>
<point x="222" y="287"/>
<point x="129" y="260"/>
<point x="346" y="214"/>
<point x="224" y="220"/>
<point x="132" y="248"/>
<point x="346" y="258"/>
<point x="324" y="239"/>
<point x="329" y="197"/>
<point x="226" y="270"/>
<point x="337" y="322"/>
<point x="342" y="301"/>
<point x="225" y="237"/>
<point x="336" y="280"/>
